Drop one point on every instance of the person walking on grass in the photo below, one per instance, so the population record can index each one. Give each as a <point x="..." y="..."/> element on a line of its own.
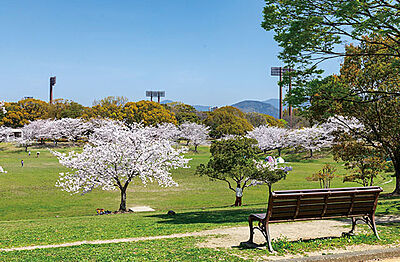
<point x="37" y="154"/>
<point x="29" y="153"/>
<point x="22" y="163"/>
<point x="239" y="194"/>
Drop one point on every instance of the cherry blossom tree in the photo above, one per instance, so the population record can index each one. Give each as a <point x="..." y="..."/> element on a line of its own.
<point x="70" y="128"/>
<point x="270" y="137"/>
<point x="114" y="156"/>
<point x="269" y="173"/>
<point x="343" y="124"/>
<point x="310" y="138"/>
<point x="4" y="132"/>
<point x="167" y="131"/>
<point x="195" y="134"/>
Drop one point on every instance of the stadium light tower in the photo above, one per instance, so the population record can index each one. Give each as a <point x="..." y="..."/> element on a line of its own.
<point x="157" y="94"/>
<point x="279" y="71"/>
<point x="52" y="83"/>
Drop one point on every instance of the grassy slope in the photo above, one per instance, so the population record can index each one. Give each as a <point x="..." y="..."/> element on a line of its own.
<point x="30" y="192"/>
<point x="30" y="202"/>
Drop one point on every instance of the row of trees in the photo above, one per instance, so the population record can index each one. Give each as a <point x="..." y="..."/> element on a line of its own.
<point x="72" y="129"/>
<point x="223" y="121"/>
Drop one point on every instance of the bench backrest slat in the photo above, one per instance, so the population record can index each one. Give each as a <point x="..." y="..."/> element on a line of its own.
<point x="321" y="203"/>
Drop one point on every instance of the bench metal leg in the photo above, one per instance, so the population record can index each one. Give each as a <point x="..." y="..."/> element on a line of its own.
<point x="251" y="230"/>
<point x="268" y="238"/>
<point x="373" y="226"/>
<point x="264" y="229"/>
<point x="369" y="220"/>
<point x="353" y="225"/>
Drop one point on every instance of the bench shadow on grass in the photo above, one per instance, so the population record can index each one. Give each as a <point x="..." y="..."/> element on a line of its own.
<point x="213" y="216"/>
<point x="279" y="244"/>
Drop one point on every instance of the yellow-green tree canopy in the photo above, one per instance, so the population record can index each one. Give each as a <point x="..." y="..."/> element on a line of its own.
<point x="61" y="108"/>
<point x="20" y="113"/>
<point x="109" y="107"/>
<point x="258" y="119"/>
<point x="183" y="112"/>
<point x="147" y="112"/>
<point x="227" y="120"/>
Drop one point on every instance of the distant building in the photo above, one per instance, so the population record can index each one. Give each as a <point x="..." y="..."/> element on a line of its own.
<point x="212" y="108"/>
<point x="11" y="134"/>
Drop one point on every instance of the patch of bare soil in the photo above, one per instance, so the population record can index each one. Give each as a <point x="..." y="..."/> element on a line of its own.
<point x="232" y="237"/>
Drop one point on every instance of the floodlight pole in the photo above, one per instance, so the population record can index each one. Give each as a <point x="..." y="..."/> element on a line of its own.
<point x="290" y="105"/>
<point x="280" y="94"/>
<point x="52" y="83"/>
<point x="279" y="71"/>
<point x="157" y="94"/>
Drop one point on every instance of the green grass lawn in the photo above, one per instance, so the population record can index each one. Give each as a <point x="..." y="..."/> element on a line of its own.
<point x="33" y="211"/>
<point x="30" y="192"/>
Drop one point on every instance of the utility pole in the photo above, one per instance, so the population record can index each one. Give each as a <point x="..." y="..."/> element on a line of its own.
<point x="52" y="83"/>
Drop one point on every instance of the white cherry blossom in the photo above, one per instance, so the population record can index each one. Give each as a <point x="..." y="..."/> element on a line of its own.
<point x="116" y="156"/>
<point x="195" y="134"/>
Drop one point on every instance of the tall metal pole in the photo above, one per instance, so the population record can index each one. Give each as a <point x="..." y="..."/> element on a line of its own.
<point x="290" y="106"/>
<point x="51" y="93"/>
<point x="280" y="93"/>
<point x="52" y="83"/>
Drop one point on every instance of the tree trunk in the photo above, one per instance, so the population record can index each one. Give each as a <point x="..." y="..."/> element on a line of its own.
<point x="311" y="153"/>
<point x="195" y="148"/>
<point x="122" y="206"/>
<point x="396" y="165"/>
<point x="279" y="151"/>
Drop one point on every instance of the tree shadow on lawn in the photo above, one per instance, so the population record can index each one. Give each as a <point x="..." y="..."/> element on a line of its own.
<point x="388" y="206"/>
<point x="214" y="217"/>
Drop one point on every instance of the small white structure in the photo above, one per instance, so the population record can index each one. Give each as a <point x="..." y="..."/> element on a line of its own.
<point x="13" y="134"/>
<point x="141" y="209"/>
<point x="280" y="160"/>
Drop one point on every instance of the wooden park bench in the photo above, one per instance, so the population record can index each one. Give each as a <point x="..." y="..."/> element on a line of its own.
<point x="359" y="203"/>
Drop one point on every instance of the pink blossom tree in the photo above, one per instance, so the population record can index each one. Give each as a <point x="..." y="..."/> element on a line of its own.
<point x="195" y="134"/>
<point x="270" y="137"/>
<point x="114" y="156"/>
<point x="310" y="138"/>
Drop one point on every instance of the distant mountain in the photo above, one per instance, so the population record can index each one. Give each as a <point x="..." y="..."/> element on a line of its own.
<point x="201" y="108"/>
<point x="274" y="102"/>
<point x="197" y="107"/>
<point x="264" y="107"/>
<point x="258" y="107"/>
<point x="166" y="101"/>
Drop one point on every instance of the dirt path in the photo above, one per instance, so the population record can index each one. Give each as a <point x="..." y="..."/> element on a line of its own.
<point x="232" y="236"/>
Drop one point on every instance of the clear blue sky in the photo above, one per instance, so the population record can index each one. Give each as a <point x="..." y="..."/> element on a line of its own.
<point x="200" y="52"/>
